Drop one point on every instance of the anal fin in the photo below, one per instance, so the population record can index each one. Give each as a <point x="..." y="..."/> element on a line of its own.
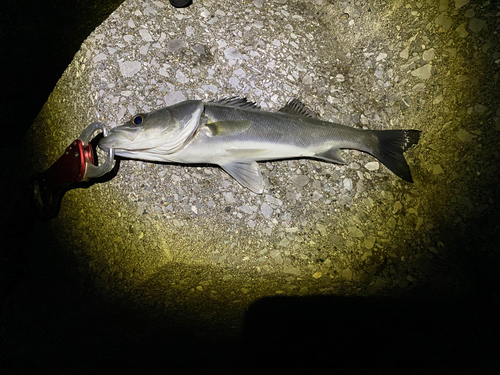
<point x="332" y="156"/>
<point x="247" y="174"/>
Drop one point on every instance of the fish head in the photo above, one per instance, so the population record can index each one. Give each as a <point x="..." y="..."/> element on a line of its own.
<point x="163" y="131"/>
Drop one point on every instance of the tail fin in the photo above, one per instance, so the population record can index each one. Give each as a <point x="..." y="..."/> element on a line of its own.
<point x="391" y="145"/>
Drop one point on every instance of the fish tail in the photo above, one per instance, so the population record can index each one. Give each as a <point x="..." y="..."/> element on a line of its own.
<point x="389" y="149"/>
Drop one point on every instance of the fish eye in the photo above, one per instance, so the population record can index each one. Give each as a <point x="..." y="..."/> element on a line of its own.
<point x="138" y="119"/>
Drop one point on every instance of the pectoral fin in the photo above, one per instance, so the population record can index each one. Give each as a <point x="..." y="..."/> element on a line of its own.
<point x="332" y="156"/>
<point x="247" y="174"/>
<point x="230" y="127"/>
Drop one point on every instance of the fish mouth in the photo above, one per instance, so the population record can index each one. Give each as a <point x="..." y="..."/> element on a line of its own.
<point x="118" y="136"/>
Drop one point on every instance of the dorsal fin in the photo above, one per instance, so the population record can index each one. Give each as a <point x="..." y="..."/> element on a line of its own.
<point x="296" y="107"/>
<point x="236" y="101"/>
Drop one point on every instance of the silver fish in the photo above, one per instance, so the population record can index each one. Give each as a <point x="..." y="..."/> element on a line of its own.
<point x="234" y="134"/>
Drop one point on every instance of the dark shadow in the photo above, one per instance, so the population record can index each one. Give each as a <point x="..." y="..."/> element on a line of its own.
<point x="309" y="335"/>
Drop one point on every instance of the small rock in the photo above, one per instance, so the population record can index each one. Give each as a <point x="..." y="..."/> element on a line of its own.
<point x="199" y="49"/>
<point x="300" y="180"/>
<point x="307" y="80"/>
<point x="437" y="169"/>
<point x="176" y="44"/>
<point x="423" y="72"/>
<point x="461" y="31"/>
<point x="317" y="275"/>
<point x="348" y="184"/>
<point x="145" y="35"/>
<point x="405" y="53"/>
<point x="465" y="136"/>
<point x="321" y="228"/>
<point x="397" y="206"/>
<point x="369" y="243"/>
<point x="273" y="200"/>
<point x="372" y="166"/>
<point x="181" y="77"/>
<point x="438" y="99"/>
<point x="232" y="53"/>
<point x="129" y="68"/>
<point x="480" y="108"/>
<point x="460" y="3"/>
<point x="443" y="21"/>
<point x="355" y="232"/>
<point x="347" y="274"/>
<point x="173" y="98"/>
<point x="292" y="270"/>
<point x="391" y="223"/>
<point x="266" y="210"/>
<point x="429" y="54"/>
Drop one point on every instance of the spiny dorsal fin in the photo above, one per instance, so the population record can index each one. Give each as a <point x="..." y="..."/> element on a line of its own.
<point x="236" y="101"/>
<point x="296" y="107"/>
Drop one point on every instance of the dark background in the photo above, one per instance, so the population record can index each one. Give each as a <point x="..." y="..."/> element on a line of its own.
<point x="53" y="321"/>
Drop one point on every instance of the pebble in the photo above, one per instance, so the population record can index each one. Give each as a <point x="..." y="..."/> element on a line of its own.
<point x="437" y="169"/>
<point x="397" y="206"/>
<point x="464" y="135"/>
<point x="234" y="81"/>
<point x="258" y="24"/>
<point x="423" y="72"/>
<point x="369" y="243"/>
<point x="480" y="108"/>
<point x="460" y="3"/>
<point x="355" y="231"/>
<point x="476" y="25"/>
<point x="461" y="31"/>
<point x="174" y="97"/>
<point x="404" y="54"/>
<point x="347" y="274"/>
<point x="428" y="55"/>
<point x="347" y="184"/>
<point x="232" y="53"/>
<point x="307" y="80"/>
<point x="317" y="275"/>
<point x="292" y="270"/>
<point x="321" y="228"/>
<point x="199" y="49"/>
<point x="176" y="44"/>
<point x="300" y="180"/>
<point x="438" y="99"/>
<point x="273" y="200"/>
<point x="181" y="77"/>
<point x="443" y="21"/>
<point x="266" y="210"/>
<point x="372" y="166"/>
<point x="145" y="35"/>
<point x="129" y="68"/>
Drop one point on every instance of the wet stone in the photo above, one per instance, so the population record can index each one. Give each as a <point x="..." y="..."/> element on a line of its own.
<point x="476" y="25"/>
<point x="199" y="49"/>
<point x="443" y="21"/>
<point x="266" y="210"/>
<point x="176" y="44"/>
<point x="232" y="53"/>
<point x="460" y="3"/>
<point x="300" y="180"/>
<point x="423" y="72"/>
<point x="429" y="54"/>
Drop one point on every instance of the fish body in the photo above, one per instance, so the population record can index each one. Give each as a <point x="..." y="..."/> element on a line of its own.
<point x="236" y="134"/>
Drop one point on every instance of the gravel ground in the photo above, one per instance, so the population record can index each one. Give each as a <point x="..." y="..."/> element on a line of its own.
<point x="189" y="240"/>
